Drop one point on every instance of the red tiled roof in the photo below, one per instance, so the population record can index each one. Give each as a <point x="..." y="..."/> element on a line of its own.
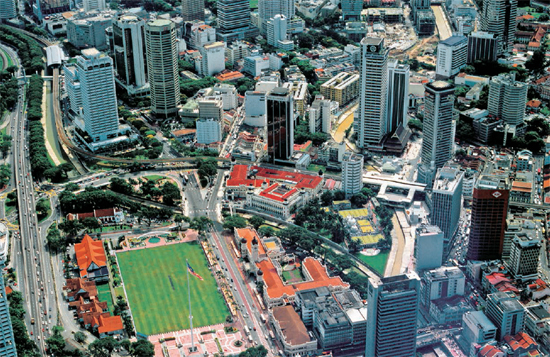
<point x="489" y="351"/>
<point x="276" y="288"/>
<point x="301" y="180"/>
<point x="182" y="132"/>
<point x="9" y="290"/>
<point x="495" y="278"/>
<point x="521" y="340"/>
<point x="89" y="251"/>
<point x="249" y="235"/>
<point x="238" y="177"/>
<point x="110" y="324"/>
<point x="533" y="103"/>
<point x="271" y="194"/>
<point x="105" y="212"/>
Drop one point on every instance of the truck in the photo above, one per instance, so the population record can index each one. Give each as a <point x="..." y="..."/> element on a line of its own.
<point x="32" y="320"/>
<point x="262" y="317"/>
<point x="246" y="330"/>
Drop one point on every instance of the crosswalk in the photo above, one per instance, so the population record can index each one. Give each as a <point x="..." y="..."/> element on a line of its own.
<point x="11" y="226"/>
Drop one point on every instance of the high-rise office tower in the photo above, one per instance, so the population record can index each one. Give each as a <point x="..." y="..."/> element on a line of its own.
<point x="398" y="95"/>
<point x="234" y="20"/>
<point x="90" y="5"/>
<point x="524" y="257"/>
<point x="506" y="313"/>
<point x="451" y="56"/>
<point x="7" y="343"/>
<point x="280" y="124"/>
<point x="507" y="98"/>
<point x="97" y="87"/>
<point x="499" y="17"/>
<point x="438" y="127"/>
<point x="267" y="9"/>
<point x="428" y="247"/>
<point x="8" y="9"/>
<point x="352" y="173"/>
<point x="128" y="50"/>
<point x="482" y="46"/>
<point x="447" y="201"/>
<point x="372" y="99"/>
<point x="351" y="10"/>
<point x="489" y="211"/>
<point x="162" y="65"/>
<point x="392" y="311"/>
<point x="277" y="32"/>
<point x="192" y="10"/>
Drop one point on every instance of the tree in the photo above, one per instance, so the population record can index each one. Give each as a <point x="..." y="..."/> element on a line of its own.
<point x="266" y="231"/>
<point x="103" y="347"/>
<point x="327" y="198"/>
<point x="200" y="224"/>
<point x="42" y="208"/>
<point x="359" y="200"/>
<point x="339" y="195"/>
<point x="170" y="193"/>
<point x="79" y="337"/>
<point x="90" y="223"/>
<point x="121" y="186"/>
<point x="179" y="218"/>
<point x="342" y="262"/>
<point x="54" y="240"/>
<point x="71" y="227"/>
<point x="234" y="221"/>
<point x="537" y="62"/>
<point x="71" y="186"/>
<point x="415" y="124"/>
<point x="56" y="344"/>
<point x="256" y="221"/>
<point x="142" y="348"/>
<point x="259" y="351"/>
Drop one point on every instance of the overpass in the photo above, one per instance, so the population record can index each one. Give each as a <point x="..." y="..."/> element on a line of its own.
<point x="392" y="189"/>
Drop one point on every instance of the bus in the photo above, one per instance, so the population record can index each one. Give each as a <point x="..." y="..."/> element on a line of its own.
<point x="271" y="334"/>
<point x="246" y="330"/>
<point x="262" y="317"/>
<point x="184" y="180"/>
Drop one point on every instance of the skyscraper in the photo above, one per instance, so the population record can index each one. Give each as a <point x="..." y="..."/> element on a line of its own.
<point x="234" y="20"/>
<point x="90" y="5"/>
<point x="499" y="17"/>
<point x="447" y="201"/>
<point x="351" y="10"/>
<point x="97" y="87"/>
<point x="162" y="64"/>
<point x="277" y="33"/>
<point x="438" y="127"/>
<point x="352" y="173"/>
<point x="280" y="124"/>
<point x="392" y="311"/>
<point x="128" y="50"/>
<point x="428" y="247"/>
<point x="8" y="9"/>
<point x="372" y="99"/>
<point x="489" y="211"/>
<point x="267" y="9"/>
<point x="7" y="343"/>
<point x="482" y="46"/>
<point x="506" y="313"/>
<point x="192" y="10"/>
<point x="524" y="257"/>
<point x="398" y="95"/>
<point x="451" y="56"/>
<point x="507" y="98"/>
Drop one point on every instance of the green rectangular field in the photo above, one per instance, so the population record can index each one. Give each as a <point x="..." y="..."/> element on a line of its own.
<point x="155" y="280"/>
<point x="104" y="294"/>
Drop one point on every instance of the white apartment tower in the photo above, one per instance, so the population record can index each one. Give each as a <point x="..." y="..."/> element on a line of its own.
<point x="428" y="247"/>
<point x="277" y="32"/>
<point x="398" y="95"/>
<point x="162" y="64"/>
<point x="507" y="98"/>
<point x="447" y="201"/>
<point x="267" y="9"/>
<point x="90" y="5"/>
<point x="352" y="173"/>
<point x="8" y="9"/>
<point x="213" y="59"/>
<point x="72" y="86"/>
<point x="499" y="17"/>
<point x="209" y="131"/>
<point x="438" y="129"/>
<point x="97" y="87"/>
<point x="392" y="312"/>
<point x="372" y="98"/>
<point x="128" y="49"/>
<point x="452" y="55"/>
<point x="192" y="10"/>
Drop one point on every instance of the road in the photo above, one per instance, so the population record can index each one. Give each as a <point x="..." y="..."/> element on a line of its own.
<point x="443" y="26"/>
<point x="249" y="308"/>
<point x="31" y="261"/>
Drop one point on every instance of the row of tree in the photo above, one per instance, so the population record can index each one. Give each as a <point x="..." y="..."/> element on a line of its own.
<point x="9" y="91"/>
<point x="24" y="345"/>
<point x="169" y="191"/>
<point x="29" y="51"/>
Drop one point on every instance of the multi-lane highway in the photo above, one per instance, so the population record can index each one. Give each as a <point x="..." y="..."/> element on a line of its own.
<point x="31" y="260"/>
<point x="249" y="309"/>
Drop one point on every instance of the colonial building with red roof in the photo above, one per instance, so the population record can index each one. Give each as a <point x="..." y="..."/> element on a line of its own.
<point x="105" y="215"/>
<point x="271" y="191"/>
<point x="79" y="288"/>
<point x="91" y="259"/>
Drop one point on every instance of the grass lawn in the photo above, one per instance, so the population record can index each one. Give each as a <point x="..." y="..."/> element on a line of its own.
<point x="111" y="228"/>
<point x="104" y="294"/>
<point x="377" y="262"/>
<point x="274" y="228"/>
<point x="155" y="177"/>
<point x="293" y="276"/>
<point x="316" y="168"/>
<point x="119" y="291"/>
<point x="156" y="283"/>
